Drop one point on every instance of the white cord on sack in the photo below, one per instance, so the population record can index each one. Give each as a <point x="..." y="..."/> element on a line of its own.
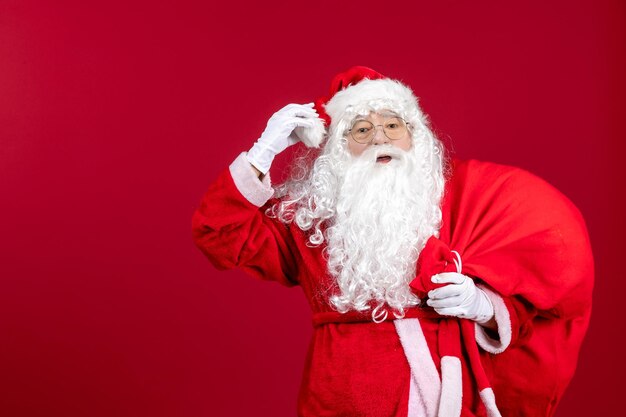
<point x="457" y="262"/>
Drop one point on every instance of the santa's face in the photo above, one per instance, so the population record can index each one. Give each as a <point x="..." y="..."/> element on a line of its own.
<point x="376" y="129"/>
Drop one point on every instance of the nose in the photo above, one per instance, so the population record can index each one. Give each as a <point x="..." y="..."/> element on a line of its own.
<point x="379" y="135"/>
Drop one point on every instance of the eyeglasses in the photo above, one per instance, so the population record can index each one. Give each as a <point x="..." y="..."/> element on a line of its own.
<point x="394" y="128"/>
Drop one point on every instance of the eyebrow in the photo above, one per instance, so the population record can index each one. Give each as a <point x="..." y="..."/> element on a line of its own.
<point x="387" y="113"/>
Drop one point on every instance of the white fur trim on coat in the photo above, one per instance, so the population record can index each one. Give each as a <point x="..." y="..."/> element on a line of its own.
<point x="489" y="401"/>
<point x="503" y="320"/>
<point x="423" y="369"/>
<point x="417" y="408"/>
<point x="255" y="191"/>
<point x="451" y="387"/>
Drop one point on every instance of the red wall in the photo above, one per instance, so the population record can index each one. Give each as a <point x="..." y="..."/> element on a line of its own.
<point x="115" y="116"/>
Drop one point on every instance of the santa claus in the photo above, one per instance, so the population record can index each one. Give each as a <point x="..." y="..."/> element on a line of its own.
<point x="438" y="287"/>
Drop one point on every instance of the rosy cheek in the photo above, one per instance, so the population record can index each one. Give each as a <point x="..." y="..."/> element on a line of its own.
<point x="402" y="144"/>
<point x="405" y="144"/>
<point x="356" y="149"/>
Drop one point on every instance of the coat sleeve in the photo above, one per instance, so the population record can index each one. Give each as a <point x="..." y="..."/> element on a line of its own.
<point x="513" y="317"/>
<point x="231" y="228"/>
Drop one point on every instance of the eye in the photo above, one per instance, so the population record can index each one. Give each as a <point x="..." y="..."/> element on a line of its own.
<point x="393" y="126"/>
<point x="362" y="130"/>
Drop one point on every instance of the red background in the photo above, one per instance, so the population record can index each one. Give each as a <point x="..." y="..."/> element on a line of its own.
<point x="115" y="117"/>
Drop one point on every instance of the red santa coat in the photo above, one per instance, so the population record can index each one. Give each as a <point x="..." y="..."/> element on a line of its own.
<point x="524" y="240"/>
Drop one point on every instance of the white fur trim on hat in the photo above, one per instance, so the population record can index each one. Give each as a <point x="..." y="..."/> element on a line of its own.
<point x="372" y="95"/>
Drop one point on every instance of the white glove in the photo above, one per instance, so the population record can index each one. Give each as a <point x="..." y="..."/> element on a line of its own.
<point x="460" y="298"/>
<point x="279" y="133"/>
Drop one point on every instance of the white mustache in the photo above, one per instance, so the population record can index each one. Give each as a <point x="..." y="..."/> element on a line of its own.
<point x="373" y="152"/>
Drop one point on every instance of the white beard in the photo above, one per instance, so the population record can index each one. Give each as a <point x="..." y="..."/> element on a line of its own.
<point x="385" y="213"/>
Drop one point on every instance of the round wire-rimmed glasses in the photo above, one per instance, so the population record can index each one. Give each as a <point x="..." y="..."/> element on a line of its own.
<point x="362" y="131"/>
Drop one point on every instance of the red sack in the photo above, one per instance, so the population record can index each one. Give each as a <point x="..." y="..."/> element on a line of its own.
<point x="529" y="243"/>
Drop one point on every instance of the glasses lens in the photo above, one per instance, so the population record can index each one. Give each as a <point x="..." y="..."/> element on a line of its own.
<point x="395" y="128"/>
<point x="362" y="130"/>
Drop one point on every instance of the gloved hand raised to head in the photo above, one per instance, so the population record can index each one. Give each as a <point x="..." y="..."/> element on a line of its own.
<point x="460" y="298"/>
<point x="287" y="126"/>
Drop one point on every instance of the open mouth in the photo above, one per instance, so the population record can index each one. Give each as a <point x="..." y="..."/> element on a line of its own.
<point x="383" y="159"/>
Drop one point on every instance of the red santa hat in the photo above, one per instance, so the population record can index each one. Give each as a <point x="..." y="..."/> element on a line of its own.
<point x="358" y="91"/>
